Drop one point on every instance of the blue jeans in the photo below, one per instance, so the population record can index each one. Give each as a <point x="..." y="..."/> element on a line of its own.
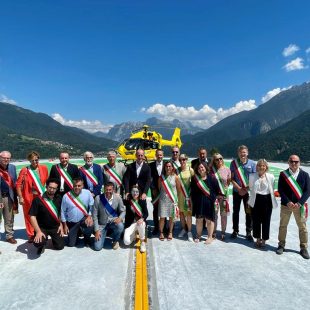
<point x="117" y="231"/>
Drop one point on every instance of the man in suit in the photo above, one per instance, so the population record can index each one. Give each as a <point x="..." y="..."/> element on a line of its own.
<point x="294" y="189"/>
<point x="175" y="154"/>
<point x="156" y="171"/>
<point x="64" y="172"/>
<point x="108" y="214"/>
<point x="8" y="197"/>
<point x="202" y="157"/>
<point x="91" y="174"/>
<point x="138" y="173"/>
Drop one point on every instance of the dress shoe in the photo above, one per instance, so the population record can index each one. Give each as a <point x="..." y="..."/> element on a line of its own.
<point x="249" y="237"/>
<point x="304" y="253"/>
<point x="234" y="235"/>
<point x="280" y="250"/>
<point x="40" y="250"/>
<point x="11" y="240"/>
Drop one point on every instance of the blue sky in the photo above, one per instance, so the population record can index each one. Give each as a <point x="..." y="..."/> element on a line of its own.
<point x="115" y="61"/>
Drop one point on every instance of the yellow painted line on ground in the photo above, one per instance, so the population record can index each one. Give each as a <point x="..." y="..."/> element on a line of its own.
<point x="141" y="285"/>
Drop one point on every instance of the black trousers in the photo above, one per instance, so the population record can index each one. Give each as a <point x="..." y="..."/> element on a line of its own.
<point x="155" y="211"/>
<point x="261" y="216"/>
<point x="236" y="210"/>
<point x="57" y="240"/>
<point x="74" y="229"/>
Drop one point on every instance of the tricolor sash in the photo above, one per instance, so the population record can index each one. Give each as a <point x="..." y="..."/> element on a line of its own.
<point x="293" y="184"/>
<point x="155" y="200"/>
<point x="7" y="178"/>
<point x="202" y="185"/>
<point x="185" y="191"/>
<point x="36" y="181"/>
<point x="220" y="182"/>
<point x="169" y="191"/>
<point x="66" y="176"/>
<point x="78" y="202"/>
<point x="89" y="175"/>
<point x="176" y="166"/>
<point x="107" y="206"/>
<point x="135" y="205"/>
<point x="240" y="173"/>
<point x="112" y="172"/>
<point x="50" y="206"/>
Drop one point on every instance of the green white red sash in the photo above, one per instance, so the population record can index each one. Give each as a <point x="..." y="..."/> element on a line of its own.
<point x="112" y="172"/>
<point x="50" y="206"/>
<point x="169" y="191"/>
<point x="66" y="176"/>
<point x="78" y="202"/>
<point x="89" y="175"/>
<point x="220" y="182"/>
<point x="36" y="181"/>
<point x="135" y="205"/>
<point x="185" y="192"/>
<point x="176" y="166"/>
<point x="240" y="173"/>
<point x="202" y="185"/>
<point x="156" y="200"/>
<point x="293" y="184"/>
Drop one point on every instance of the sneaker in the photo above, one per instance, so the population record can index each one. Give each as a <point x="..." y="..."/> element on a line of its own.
<point x="304" y="253"/>
<point x="142" y="247"/>
<point x="280" y="250"/>
<point x="190" y="237"/>
<point x="234" y="235"/>
<point x="182" y="233"/>
<point x="115" y="245"/>
<point x="249" y="237"/>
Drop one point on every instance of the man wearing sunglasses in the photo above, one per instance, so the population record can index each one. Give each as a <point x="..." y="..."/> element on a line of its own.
<point x="294" y="189"/>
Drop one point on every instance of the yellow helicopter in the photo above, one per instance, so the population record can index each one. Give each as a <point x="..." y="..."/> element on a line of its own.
<point x="149" y="141"/>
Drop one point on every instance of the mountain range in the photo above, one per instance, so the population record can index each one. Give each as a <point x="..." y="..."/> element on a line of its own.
<point x="23" y="130"/>
<point x="122" y="131"/>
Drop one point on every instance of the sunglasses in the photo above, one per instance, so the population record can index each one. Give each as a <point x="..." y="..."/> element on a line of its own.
<point x="175" y="152"/>
<point x="218" y="159"/>
<point x="294" y="161"/>
<point x="183" y="159"/>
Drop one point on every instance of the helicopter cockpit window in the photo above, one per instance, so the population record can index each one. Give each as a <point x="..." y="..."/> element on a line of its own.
<point x="134" y="144"/>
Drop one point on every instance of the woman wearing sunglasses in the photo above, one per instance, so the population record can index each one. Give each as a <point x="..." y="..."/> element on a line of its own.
<point x="222" y="175"/>
<point x="135" y="220"/>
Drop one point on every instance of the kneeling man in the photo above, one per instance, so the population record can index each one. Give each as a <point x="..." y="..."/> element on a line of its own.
<point x="109" y="214"/>
<point x="45" y="218"/>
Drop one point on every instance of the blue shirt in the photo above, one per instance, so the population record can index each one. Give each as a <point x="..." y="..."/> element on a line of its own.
<point x="70" y="212"/>
<point x="248" y="167"/>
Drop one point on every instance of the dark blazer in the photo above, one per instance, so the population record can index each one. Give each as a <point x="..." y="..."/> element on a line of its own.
<point x="154" y="175"/>
<point x="144" y="180"/>
<point x="131" y="216"/>
<point x="195" y="162"/>
<point x="98" y="173"/>
<point x="73" y="171"/>
<point x="286" y="192"/>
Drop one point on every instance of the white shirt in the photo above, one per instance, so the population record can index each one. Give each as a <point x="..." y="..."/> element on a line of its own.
<point x="62" y="180"/>
<point x="295" y="175"/>
<point x="262" y="186"/>
<point x="159" y="167"/>
<point x="138" y="168"/>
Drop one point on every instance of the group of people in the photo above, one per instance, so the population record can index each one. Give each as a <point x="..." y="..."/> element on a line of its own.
<point x="97" y="200"/>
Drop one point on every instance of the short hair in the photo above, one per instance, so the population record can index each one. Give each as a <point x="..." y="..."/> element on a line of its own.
<point x="112" y="153"/>
<point x="183" y="156"/>
<point x="107" y="184"/>
<point x="264" y="162"/>
<point x="77" y="179"/>
<point x="202" y="148"/>
<point x="86" y="153"/>
<point x="33" y="154"/>
<point x="204" y="164"/>
<point x="242" y="147"/>
<point x="2" y="152"/>
<point x="159" y="150"/>
<point x="52" y="180"/>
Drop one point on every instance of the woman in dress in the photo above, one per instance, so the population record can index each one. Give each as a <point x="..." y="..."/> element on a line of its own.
<point x="223" y="176"/>
<point x="135" y="220"/>
<point x="185" y="173"/>
<point x="204" y="189"/>
<point x="262" y="200"/>
<point x="30" y="184"/>
<point x="168" y="184"/>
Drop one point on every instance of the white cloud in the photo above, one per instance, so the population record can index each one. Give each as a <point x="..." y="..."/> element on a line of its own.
<point x="296" y="64"/>
<point x="204" y="117"/>
<point x="308" y="50"/>
<point x="273" y="93"/>
<point x="90" y="126"/>
<point x="5" y="99"/>
<point x="290" y="50"/>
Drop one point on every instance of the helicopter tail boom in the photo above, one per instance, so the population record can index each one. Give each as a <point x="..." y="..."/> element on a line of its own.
<point x="175" y="140"/>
